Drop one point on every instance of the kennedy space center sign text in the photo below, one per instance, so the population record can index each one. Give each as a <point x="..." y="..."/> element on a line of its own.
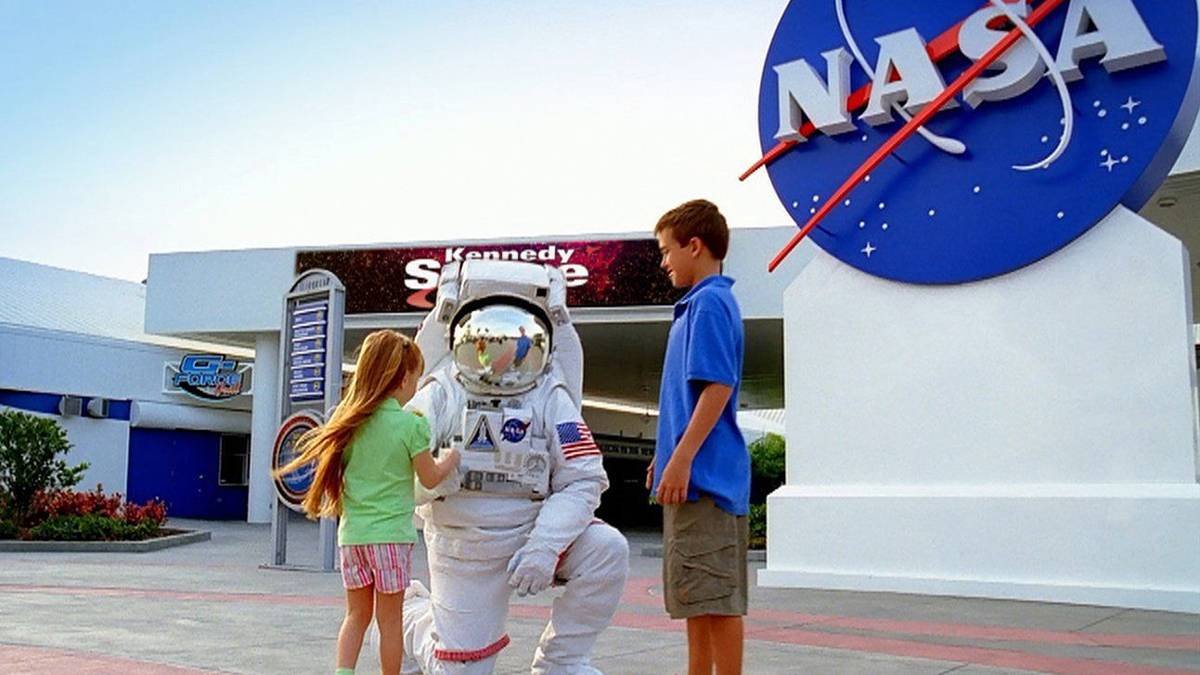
<point x="607" y="273"/>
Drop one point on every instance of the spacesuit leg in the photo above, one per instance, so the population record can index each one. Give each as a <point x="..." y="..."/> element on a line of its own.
<point x="459" y="627"/>
<point x="595" y="568"/>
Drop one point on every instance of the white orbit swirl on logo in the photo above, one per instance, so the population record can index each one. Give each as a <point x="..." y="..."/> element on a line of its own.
<point x="1059" y="83"/>
<point x="952" y="146"/>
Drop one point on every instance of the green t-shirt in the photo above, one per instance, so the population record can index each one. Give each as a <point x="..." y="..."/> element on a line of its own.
<point x="377" y="492"/>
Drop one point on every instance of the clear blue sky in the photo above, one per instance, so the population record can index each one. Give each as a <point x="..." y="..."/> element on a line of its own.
<point x="136" y="127"/>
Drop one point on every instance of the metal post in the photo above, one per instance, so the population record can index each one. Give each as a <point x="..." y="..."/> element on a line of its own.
<point x="279" y="523"/>
<point x="329" y="544"/>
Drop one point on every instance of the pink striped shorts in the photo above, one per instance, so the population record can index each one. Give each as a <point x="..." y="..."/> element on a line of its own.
<point x="384" y="566"/>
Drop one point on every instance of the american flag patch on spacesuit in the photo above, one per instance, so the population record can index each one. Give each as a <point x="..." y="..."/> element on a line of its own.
<point x="576" y="440"/>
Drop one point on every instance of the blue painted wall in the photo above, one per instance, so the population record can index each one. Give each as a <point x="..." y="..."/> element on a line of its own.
<point x="181" y="468"/>
<point x="41" y="402"/>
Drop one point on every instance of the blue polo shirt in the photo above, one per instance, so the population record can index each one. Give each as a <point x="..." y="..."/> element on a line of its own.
<point x="523" y="344"/>
<point x="705" y="345"/>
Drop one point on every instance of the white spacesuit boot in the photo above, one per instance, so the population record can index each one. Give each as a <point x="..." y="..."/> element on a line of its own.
<point x="418" y="632"/>
<point x="504" y="387"/>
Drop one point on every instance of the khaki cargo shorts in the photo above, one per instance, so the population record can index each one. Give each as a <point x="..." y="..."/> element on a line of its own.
<point x="704" y="560"/>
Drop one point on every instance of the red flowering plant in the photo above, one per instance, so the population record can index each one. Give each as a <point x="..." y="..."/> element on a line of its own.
<point x="72" y="503"/>
<point x="72" y="516"/>
<point x="153" y="511"/>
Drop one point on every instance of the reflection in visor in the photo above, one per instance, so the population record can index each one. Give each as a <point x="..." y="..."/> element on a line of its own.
<point x="500" y="348"/>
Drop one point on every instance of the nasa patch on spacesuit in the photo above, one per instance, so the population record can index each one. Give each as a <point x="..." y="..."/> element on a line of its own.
<point x="514" y="431"/>
<point x="501" y="456"/>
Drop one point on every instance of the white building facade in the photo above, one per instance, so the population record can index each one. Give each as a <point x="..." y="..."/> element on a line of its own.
<point x="72" y="348"/>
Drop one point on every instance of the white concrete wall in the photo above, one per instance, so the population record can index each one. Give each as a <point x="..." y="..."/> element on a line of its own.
<point x="218" y="291"/>
<point x="968" y="370"/>
<point x="104" y="445"/>
<point x="1028" y="436"/>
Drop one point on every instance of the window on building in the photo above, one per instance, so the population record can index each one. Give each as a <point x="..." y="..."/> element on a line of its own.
<point x="234" y="469"/>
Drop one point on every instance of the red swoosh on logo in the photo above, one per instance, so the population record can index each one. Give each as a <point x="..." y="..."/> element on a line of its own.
<point x="420" y="299"/>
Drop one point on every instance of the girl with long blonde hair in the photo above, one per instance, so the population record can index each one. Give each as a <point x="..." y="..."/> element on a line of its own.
<point x="366" y="458"/>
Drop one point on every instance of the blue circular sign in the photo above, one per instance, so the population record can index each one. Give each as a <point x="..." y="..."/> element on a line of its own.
<point x="936" y="216"/>
<point x="294" y="485"/>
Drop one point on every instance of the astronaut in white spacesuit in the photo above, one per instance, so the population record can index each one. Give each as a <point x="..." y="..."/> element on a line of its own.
<point x="504" y="387"/>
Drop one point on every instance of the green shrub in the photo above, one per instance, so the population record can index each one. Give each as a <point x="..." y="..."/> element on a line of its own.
<point x="139" y="531"/>
<point x="8" y="529"/>
<point x="767" y="459"/>
<point x="30" y="447"/>
<point x="93" y="527"/>
<point x="758" y="526"/>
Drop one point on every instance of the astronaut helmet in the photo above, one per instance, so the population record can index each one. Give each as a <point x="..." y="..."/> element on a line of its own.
<point x="500" y="344"/>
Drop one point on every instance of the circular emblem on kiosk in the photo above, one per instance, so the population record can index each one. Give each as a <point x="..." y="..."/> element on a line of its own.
<point x="1036" y="148"/>
<point x="292" y="487"/>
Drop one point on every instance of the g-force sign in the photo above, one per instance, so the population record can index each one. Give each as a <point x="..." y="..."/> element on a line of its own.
<point x="952" y="141"/>
<point x="209" y="377"/>
<point x="612" y="273"/>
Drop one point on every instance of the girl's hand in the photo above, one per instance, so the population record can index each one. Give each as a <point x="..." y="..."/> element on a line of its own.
<point x="430" y="471"/>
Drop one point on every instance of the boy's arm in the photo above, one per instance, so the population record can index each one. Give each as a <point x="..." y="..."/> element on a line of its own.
<point x="673" y="488"/>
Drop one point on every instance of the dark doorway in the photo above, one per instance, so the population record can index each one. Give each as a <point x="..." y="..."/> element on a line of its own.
<point x="626" y="504"/>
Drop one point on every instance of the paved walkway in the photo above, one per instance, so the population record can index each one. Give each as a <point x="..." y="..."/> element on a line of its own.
<point x="210" y="608"/>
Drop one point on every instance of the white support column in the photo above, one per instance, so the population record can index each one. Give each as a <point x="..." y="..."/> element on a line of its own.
<point x="264" y="423"/>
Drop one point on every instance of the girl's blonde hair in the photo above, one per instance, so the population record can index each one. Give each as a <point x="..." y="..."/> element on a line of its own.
<point x="385" y="357"/>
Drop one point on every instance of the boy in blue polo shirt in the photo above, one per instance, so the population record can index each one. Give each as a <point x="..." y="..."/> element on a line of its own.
<point x="701" y="469"/>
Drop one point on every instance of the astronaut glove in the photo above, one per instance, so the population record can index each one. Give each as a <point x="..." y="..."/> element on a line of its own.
<point x="531" y="570"/>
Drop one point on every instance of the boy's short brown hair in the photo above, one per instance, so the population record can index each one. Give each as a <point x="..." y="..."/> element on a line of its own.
<point x="698" y="218"/>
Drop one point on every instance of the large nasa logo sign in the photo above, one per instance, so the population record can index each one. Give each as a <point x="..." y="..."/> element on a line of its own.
<point x="951" y="141"/>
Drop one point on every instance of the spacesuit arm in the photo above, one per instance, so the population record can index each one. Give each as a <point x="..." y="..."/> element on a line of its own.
<point x="577" y="477"/>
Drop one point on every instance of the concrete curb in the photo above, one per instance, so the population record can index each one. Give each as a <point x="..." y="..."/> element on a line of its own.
<point x="656" y="551"/>
<point x="145" y="546"/>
